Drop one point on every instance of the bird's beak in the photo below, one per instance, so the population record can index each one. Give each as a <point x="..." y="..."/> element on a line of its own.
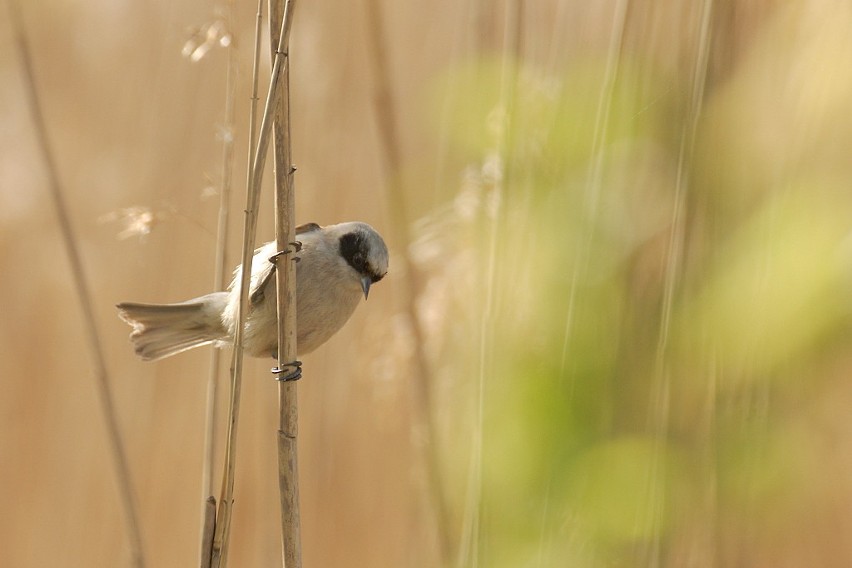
<point x="365" y="285"/>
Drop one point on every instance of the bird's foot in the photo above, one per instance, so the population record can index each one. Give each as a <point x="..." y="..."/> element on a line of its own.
<point x="288" y="371"/>
<point x="297" y="246"/>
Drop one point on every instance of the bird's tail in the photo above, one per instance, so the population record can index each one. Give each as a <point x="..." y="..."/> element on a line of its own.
<point x="161" y="330"/>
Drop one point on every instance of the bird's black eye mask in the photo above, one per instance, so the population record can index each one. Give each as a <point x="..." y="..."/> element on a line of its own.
<point x="355" y="249"/>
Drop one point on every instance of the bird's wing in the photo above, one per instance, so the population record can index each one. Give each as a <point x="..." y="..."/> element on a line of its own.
<point x="264" y="277"/>
<point x="267" y="274"/>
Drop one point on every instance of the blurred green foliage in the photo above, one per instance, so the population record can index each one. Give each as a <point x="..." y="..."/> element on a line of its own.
<point x="646" y="290"/>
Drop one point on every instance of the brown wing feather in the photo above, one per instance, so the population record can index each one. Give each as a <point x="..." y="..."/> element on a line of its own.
<point x="307" y="228"/>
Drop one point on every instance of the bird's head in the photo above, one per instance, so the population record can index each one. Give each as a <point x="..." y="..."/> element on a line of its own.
<point x="365" y="251"/>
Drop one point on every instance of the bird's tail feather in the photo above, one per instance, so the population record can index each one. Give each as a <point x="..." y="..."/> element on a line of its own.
<point x="162" y="330"/>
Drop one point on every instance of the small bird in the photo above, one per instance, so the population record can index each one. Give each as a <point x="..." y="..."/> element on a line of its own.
<point x="337" y="264"/>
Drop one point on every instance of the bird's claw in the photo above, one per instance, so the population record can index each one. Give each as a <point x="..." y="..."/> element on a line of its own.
<point x="297" y="247"/>
<point x="283" y="374"/>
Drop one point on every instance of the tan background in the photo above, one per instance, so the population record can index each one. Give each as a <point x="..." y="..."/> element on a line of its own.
<point x="133" y="123"/>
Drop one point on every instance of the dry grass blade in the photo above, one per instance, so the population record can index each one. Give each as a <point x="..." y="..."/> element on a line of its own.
<point x="285" y="233"/>
<point x="84" y="296"/>
<point x="389" y="138"/>
<point x="220" y="274"/>
<point x="223" y="518"/>
<point x="207" y="528"/>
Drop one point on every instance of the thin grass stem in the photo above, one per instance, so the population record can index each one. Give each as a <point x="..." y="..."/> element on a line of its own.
<point x="385" y="108"/>
<point x="78" y="274"/>
<point x="221" y="538"/>
<point x="285" y="233"/>
<point x="220" y="275"/>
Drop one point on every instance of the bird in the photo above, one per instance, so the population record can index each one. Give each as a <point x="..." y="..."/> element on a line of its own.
<point x="337" y="265"/>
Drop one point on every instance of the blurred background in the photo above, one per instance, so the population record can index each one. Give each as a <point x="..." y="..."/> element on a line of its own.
<point x="616" y="331"/>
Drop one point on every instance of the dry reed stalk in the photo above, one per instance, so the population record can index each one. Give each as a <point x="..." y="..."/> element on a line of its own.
<point x="285" y="233"/>
<point x="220" y="275"/>
<point x="400" y="223"/>
<point x="72" y="249"/>
<point x="221" y="537"/>
<point x="207" y="529"/>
